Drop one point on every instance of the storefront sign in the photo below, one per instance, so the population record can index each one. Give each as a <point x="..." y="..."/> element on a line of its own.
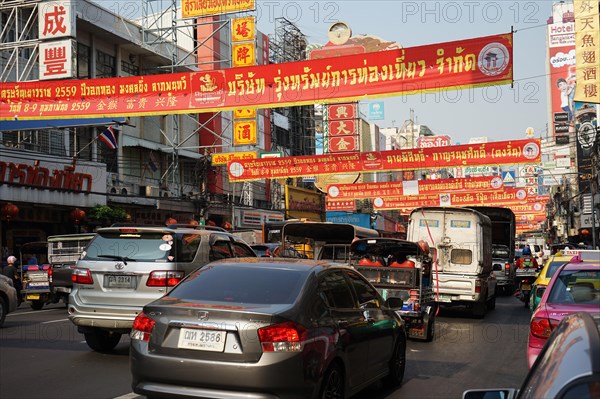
<point x="243" y="29"/>
<point x="244" y="132"/>
<point x="494" y="153"/>
<point x="302" y="203"/>
<point x="433" y="141"/>
<point x="221" y="158"/>
<point x="468" y="63"/>
<point x="587" y="43"/>
<point x="339" y="205"/>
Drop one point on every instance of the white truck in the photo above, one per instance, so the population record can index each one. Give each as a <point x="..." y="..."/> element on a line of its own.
<point x="461" y="242"/>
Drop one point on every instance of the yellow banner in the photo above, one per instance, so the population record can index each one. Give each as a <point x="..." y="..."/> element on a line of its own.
<point x="587" y="51"/>
<point x="243" y="29"/>
<point x="202" y="8"/>
<point x="244" y="132"/>
<point x="221" y="158"/>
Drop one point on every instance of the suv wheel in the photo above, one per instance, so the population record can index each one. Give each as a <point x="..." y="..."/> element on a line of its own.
<point x="102" y="341"/>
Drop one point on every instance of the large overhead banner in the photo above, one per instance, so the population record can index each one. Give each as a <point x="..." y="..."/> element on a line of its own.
<point x="453" y="65"/>
<point x="494" y="153"/>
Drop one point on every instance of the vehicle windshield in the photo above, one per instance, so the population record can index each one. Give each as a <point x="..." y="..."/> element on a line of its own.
<point x="553" y="267"/>
<point x="147" y="246"/>
<point x="576" y="287"/>
<point x="242" y="285"/>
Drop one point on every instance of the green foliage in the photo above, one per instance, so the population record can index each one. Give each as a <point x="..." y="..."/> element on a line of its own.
<point x="106" y="216"/>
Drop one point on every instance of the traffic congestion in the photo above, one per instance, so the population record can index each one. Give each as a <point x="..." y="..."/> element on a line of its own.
<point x="250" y="199"/>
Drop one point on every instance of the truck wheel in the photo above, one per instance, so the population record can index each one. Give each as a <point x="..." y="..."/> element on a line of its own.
<point x="37" y="304"/>
<point x="479" y="309"/>
<point x="430" y="329"/>
<point x="102" y="341"/>
<point x="3" y="310"/>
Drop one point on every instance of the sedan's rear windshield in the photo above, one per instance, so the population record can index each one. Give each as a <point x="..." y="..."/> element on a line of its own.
<point x="576" y="287"/>
<point x="238" y="284"/>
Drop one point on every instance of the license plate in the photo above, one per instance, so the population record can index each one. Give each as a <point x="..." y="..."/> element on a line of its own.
<point x="526" y="287"/>
<point x="445" y="298"/>
<point x="202" y="340"/>
<point x="119" y="281"/>
<point x="33" y="297"/>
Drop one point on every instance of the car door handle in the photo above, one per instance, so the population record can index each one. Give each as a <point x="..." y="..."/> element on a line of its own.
<point x="343" y="323"/>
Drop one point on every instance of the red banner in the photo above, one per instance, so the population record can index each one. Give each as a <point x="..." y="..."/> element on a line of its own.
<point x="494" y="153"/>
<point x="415" y="187"/>
<point x="467" y="63"/>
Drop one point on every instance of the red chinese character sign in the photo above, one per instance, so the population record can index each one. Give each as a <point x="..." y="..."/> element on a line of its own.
<point x="493" y="153"/>
<point x="343" y="144"/>
<point x="341" y="128"/>
<point x="352" y="77"/>
<point x="56" y="19"/>
<point x="56" y="59"/>
<point x="342" y="111"/>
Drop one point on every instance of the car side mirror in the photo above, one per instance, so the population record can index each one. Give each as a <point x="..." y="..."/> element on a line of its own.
<point x="394" y="303"/>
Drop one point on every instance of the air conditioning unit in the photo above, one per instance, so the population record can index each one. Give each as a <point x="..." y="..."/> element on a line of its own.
<point x="117" y="189"/>
<point x="165" y="193"/>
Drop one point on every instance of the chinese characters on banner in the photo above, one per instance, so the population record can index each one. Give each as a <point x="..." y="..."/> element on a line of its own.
<point x="56" y="24"/>
<point x="341" y="132"/>
<point x="383" y="73"/>
<point x="243" y="54"/>
<point x="587" y="44"/>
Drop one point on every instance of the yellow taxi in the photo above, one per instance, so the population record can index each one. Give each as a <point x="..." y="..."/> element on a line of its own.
<point x="552" y="264"/>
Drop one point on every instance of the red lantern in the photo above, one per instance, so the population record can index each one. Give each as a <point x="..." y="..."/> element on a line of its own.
<point x="9" y="211"/>
<point x="210" y="223"/>
<point x="585" y="232"/>
<point x="192" y="222"/>
<point x="227" y="225"/>
<point x="77" y="215"/>
<point x="170" y="221"/>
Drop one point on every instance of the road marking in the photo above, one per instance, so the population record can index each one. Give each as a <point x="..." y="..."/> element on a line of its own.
<point x="128" y="396"/>
<point x="34" y="311"/>
<point x="54" y="321"/>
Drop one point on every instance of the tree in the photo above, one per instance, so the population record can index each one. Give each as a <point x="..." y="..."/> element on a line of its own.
<point x="105" y="215"/>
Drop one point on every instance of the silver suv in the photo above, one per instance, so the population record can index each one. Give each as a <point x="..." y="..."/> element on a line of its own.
<point x="124" y="268"/>
<point x="8" y="298"/>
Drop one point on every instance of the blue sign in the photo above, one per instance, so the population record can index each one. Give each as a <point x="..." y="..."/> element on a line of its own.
<point x="356" y="219"/>
<point x="376" y="111"/>
<point x="508" y="178"/>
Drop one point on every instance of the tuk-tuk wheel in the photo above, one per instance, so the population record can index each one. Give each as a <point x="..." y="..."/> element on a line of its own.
<point x="37" y="305"/>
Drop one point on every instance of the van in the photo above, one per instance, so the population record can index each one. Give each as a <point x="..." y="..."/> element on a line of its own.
<point x="124" y="268"/>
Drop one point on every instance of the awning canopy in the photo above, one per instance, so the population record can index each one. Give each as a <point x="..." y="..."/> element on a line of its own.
<point x="6" y="126"/>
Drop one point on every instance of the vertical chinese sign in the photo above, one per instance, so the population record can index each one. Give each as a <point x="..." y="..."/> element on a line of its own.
<point x="341" y="127"/>
<point x="56" y="21"/>
<point x="587" y="44"/>
<point x="243" y="53"/>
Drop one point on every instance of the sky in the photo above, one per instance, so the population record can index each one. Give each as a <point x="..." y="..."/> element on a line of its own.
<point x="496" y="112"/>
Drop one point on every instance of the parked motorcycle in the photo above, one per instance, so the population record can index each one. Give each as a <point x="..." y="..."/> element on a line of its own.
<point x="526" y="273"/>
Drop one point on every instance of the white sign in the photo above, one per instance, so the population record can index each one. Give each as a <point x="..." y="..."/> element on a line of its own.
<point x="56" y="19"/>
<point x="56" y="60"/>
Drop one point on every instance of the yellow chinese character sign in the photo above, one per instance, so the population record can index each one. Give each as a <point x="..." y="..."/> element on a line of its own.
<point x="243" y="29"/>
<point x="244" y="132"/>
<point x="587" y="51"/>
<point x="244" y="113"/>
<point x="243" y="54"/>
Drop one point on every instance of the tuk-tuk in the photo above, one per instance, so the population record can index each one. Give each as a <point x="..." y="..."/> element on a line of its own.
<point x="35" y="274"/>
<point x="400" y="268"/>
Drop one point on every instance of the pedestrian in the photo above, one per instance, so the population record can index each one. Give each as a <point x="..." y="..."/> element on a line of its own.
<point x="12" y="273"/>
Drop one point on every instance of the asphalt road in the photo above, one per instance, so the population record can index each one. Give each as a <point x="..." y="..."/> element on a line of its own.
<point x="43" y="356"/>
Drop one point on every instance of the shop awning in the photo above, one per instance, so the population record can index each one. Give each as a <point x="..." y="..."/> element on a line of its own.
<point x="6" y="126"/>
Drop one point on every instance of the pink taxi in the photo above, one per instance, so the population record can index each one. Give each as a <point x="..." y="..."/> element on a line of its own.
<point x="575" y="287"/>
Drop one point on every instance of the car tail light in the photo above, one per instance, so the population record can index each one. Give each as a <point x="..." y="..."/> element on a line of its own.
<point x="142" y="327"/>
<point x="128" y="230"/>
<point x="82" y="276"/>
<point x="164" y="278"/>
<point x="507" y="269"/>
<point x="267" y="252"/>
<point x="478" y="286"/>
<point x="284" y="337"/>
<point x="541" y="327"/>
<point x="50" y="272"/>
